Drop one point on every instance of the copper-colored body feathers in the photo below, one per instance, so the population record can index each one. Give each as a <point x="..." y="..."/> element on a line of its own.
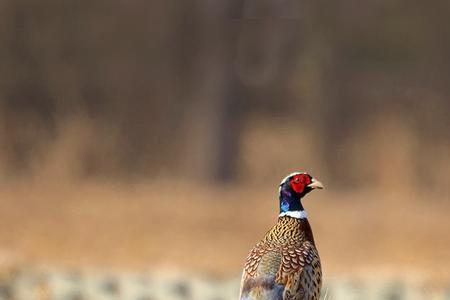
<point x="285" y="265"/>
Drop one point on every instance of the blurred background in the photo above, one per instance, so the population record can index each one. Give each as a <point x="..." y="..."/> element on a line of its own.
<point x="151" y="136"/>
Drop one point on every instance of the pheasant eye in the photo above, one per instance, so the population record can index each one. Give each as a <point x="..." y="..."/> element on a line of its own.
<point x="297" y="180"/>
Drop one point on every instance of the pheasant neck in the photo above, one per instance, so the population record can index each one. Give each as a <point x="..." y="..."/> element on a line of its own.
<point x="297" y="214"/>
<point x="290" y="202"/>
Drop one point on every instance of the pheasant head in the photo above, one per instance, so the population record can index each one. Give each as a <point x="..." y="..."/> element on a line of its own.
<point x="292" y="189"/>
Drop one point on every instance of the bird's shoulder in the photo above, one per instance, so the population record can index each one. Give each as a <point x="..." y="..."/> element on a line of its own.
<point x="283" y="269"/>
<point x="283" y="246"/>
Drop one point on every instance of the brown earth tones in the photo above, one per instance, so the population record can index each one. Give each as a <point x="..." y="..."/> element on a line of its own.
<point x="210" y="229"/>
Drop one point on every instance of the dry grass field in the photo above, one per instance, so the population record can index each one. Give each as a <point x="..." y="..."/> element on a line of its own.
<point x="177" y="225"/>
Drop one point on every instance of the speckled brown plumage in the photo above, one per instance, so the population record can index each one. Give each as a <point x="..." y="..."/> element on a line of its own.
<point x="284" y="265"/>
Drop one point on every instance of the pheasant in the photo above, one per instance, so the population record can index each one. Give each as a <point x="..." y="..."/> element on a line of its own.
<point x="285" y="264"/>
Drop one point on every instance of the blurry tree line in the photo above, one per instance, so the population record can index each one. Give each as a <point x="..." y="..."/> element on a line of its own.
<point x="166" y="83"/>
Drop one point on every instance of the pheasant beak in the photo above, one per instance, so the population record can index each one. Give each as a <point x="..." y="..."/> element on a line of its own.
<point x="315" y="184"/>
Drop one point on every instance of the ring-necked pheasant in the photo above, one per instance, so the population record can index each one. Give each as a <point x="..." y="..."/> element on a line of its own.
<point x="285" y="264"/>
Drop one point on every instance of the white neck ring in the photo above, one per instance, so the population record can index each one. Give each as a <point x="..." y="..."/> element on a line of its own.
<point x="298" y="214"/>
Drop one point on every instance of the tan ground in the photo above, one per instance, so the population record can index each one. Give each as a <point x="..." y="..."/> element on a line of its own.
<point x="168" y="224"/>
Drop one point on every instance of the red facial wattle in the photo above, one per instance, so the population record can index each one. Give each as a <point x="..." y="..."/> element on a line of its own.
<point x="299" y="182"/>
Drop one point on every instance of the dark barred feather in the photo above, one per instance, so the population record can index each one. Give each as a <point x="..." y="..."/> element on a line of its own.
<point x="285" y="265"/>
